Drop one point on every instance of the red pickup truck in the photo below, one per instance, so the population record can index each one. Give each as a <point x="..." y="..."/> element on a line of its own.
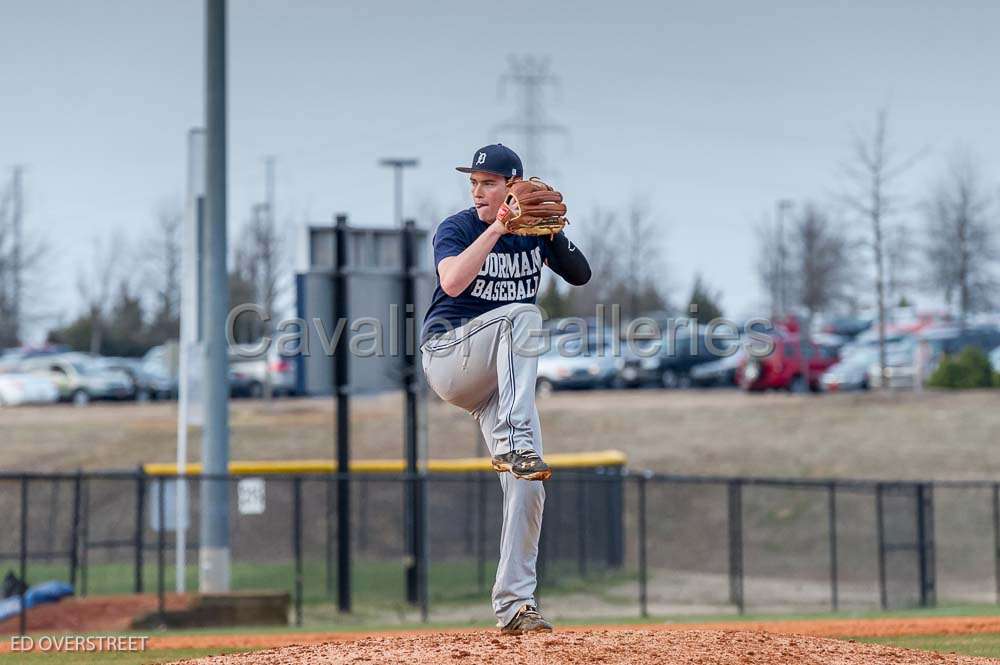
<point x="783" y="368"/>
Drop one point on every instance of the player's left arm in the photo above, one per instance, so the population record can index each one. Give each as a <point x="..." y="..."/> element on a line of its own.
<point x="566" y="260"/>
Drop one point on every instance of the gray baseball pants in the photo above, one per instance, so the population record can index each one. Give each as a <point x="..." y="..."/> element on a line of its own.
<point x="488" y="368"/>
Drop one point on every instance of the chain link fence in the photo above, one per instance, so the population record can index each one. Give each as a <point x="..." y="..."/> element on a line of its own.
<point x="614" y="543"/>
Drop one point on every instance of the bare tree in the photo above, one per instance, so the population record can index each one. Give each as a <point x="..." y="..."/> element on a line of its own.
<point x="9" y="324"/>
<point x="163" y="257"/>
<point x="260" y="264"/>
<point x="822" y="260"/>
<point x="20" y="258"/>
<point x="871" y="173"/>
<point x="643" y="260"/>
<point x="628" y="273"/>
<point x="900" y="248"/>
<point x="769" y="263"/>
<point x="604" y="260"/>
<point x="95" y="284"/>
<point x="961" y="239"/>
<point x="259" y="258"/>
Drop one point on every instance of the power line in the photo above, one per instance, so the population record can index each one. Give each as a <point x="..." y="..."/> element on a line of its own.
<point x="530" y="75"/>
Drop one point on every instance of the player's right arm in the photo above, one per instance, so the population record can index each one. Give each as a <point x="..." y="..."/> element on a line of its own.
<point x="455" y="273"/>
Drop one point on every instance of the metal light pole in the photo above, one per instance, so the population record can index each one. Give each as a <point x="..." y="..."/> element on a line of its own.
<point x="782" y="205"/>
<point x="398" y="165"/>
<point x="214" y="546"/>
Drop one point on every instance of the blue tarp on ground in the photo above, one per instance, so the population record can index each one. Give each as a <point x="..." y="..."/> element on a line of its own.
<point x="37" y="594"/>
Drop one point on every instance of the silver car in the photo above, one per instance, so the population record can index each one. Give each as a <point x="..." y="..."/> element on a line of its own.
<point x="851" y="373"/>
<point x="79" y="378"/>
<point x="572" y="365"/>
<point x="255" y="370"/>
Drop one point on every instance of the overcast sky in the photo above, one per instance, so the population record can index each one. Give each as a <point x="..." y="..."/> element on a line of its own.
<point x="709" y="111"/>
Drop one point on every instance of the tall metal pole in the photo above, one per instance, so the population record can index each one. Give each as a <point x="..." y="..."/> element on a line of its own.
<point x="214" y="546"/>
<point x="342" y="379"/>
<point x="398" y="165"/>
<point x="782" y="206"/>
<point x="415" y="505"/>
<point x="16" y="214"/>
<point x="189" y="366"/>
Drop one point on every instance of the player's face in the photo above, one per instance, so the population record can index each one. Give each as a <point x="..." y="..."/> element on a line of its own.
<point x="488" y="192"/>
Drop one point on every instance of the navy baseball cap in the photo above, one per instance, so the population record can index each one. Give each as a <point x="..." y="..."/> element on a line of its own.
<point x="496" y="158"/>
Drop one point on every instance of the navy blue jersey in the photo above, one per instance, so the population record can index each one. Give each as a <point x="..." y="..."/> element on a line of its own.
<point x="511" y="273"/>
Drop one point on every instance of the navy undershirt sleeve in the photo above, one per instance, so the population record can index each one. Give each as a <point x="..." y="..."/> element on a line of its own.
<point x="566" y="260"/>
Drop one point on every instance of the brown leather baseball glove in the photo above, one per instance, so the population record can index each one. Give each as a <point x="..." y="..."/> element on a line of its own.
<point x="532" y="208"/>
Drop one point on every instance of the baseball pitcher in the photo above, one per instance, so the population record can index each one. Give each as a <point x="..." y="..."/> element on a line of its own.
<point x="480" y="343"/>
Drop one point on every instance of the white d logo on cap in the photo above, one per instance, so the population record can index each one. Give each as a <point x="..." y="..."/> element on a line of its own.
<point x="481" y="159"/>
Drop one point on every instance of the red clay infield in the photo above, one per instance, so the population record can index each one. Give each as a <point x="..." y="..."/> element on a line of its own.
<point x="642" y="647"/>
<point x="800" y="641"/>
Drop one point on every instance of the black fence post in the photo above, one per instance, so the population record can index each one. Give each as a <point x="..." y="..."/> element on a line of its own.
<point x="925" y="544"/>
<point x="581" y="525"/>
<point x="140" y="505"/>
<point x="643" y="570"/>
<point x="74" y="536"/>
<point x="329" y="537"/>
<point x="880" y="527"/>
<point x="415" y="511"/>
<point x="832" y="521"/>
<point x="996" y="539"/>
<point x="161" y="561"/>
<point x="481" y="532"/>
<point x="341" y="312"/>
<point x="423" y="559"/>
<point x="364" y="522"/>
<point x="616" y="503"/>
<point x="735" y="519"/>
<point x="470" y="514"/>
<point x="297" y="545"/>
<point x="542" y="560"/>
<point x="23" y="610"/>
<point x="85" y="537"/>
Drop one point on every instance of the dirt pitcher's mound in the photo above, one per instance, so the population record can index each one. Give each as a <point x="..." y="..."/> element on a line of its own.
<point x="704" y="647"/>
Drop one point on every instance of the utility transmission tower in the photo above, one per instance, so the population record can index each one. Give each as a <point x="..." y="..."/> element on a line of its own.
<point x="530" y="75"/>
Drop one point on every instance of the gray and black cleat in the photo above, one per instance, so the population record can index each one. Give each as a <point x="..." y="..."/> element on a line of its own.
<point x="527" y="620"/>
<point x="523" y="464"/>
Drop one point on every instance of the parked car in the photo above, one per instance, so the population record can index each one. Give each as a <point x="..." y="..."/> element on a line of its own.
<point x="851" y="372"/>
<point x="253" y="371"/>
<point x="721" y="372"/>
<point x="902" y="357"/>
<point x="995" y="359"/>
<point x="242" y="385"/>
<point x="847" y="326"/>
<point x="17" y="389"/>
<point x="148" y="383"/>
<point x="79" y="378"/>
<point x="573" y="365"/>
<point x="784" y="368"/>
<point x="671" y="364"/>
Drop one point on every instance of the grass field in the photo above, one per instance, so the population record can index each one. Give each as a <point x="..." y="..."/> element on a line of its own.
<point x="378" y="585"/>
<point x="937" y="434"/>
<point x="986" y="645"/>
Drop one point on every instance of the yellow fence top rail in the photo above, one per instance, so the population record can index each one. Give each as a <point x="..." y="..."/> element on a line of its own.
<point x="595" y="459"/>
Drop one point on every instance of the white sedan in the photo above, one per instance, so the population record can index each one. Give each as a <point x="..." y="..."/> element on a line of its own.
<point x="18" y="389"/>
